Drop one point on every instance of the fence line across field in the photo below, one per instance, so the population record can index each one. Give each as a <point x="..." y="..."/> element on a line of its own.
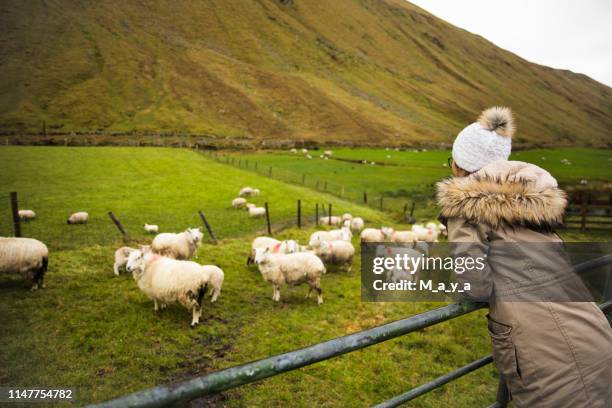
<point x="182" y="392"/>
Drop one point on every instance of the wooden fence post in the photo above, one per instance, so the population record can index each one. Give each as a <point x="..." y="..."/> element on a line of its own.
<point x="330" y="214"/>
<point x="268" y="218"/>
<point x="299" y="213"/>
<point x="207" y="225"/>
<point x="317" y="214"/>
<point x="365" y="197"/>
<point x="117" y="223"/>
<point x="15" y="213"/>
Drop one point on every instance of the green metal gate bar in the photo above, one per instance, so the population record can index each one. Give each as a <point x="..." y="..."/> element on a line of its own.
<point x="438" y="382"/>
<point x="166" y="395"/>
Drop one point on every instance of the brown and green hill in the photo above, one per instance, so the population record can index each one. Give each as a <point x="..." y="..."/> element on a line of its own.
<point x="367" y="71"/>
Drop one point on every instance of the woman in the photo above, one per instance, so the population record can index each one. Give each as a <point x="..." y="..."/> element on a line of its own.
<point x="550" y="353"/>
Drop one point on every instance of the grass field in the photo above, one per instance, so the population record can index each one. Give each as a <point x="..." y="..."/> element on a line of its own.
<point x="405" y="176"/>
<point x="97" y="332"/>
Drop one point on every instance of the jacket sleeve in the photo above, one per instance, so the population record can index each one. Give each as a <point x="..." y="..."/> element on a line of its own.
<point x="469" y="241"/>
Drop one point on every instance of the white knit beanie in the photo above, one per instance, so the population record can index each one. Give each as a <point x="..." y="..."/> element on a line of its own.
<point x="485" y="141"/>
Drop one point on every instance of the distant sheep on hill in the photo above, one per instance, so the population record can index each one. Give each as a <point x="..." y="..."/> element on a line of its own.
<point x="80" y="217"/>
<point x="151" y="228"/>
<point x="26" y="215"/>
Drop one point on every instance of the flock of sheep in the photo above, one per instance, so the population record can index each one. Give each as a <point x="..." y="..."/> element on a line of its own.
<point x="164" y="273"/>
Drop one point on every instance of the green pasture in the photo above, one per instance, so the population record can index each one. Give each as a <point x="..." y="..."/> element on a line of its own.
<point x="99" y="334"/>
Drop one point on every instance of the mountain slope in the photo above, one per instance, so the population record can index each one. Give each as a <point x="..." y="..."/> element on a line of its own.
<point x="369" y="71"/>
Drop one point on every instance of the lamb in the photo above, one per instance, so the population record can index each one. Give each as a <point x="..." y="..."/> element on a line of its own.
<point x="26" y="215"/>
<point x="256" y="212"/>
<point x="121" y="258"/>
<point x="27" y="256"/>
<point x="178" y="246"/>
<point x="376" y="235"/>
<point x="239" y="202"/>
<point x="292" y="269"/>
<point x="342" y="234"/>
<point x="167" y="280"/>
<point x="335" y="220"/>
<point x="337" y="253"/>
<point x="347" y="217"/>
<point x="276" y="247"/>
<point x="151" y="228"/>
<point x="403" y="237"/>
<point x="80" y="217"/>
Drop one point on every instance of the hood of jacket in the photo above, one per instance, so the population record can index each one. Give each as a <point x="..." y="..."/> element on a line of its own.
<point x="505" y="192"/>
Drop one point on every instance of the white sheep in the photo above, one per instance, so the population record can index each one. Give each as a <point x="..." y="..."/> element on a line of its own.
<point x="178" y="246"/>
<point x="26" y="256"/>
<point x="294" y="150"/>
<point x="403" y="237"/>
<point x="357" y="224"/>
<point x="245" y="192"/>
<point x="309" y="157"/>
<point x="328" y="153"/>
<point x="335" y="220"/>
<point x="256" y="212"/>
<point x="121" y="258"/>
<point x="151" y="228"/>
<point x="255" y="192"/>
<point x="26" y="215"/>
<point x="342" y="234"/>
<point x="398" y="273"/>
<point x="347" y="217"/>
<point x="80" y="217"/>
<point x="376" y="235"/>
<point x="166" y="280"/>
<point x="274" y="245"/>
<point x="250" y="205"/>
<point x="304" y="151"/>
<point x="239" y="202"/>
<point x="425" y="234"/>
<point x="336" y="253"/>
<point x="291" y="269"/>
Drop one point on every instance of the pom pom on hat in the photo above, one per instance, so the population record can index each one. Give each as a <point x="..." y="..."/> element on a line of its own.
<point x="485" y="141"/>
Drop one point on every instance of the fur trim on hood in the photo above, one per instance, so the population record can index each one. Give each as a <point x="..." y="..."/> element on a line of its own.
<point x="505" y="192"/>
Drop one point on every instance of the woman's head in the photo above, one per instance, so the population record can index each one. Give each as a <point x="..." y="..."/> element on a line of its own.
<point x="483" y="142"/>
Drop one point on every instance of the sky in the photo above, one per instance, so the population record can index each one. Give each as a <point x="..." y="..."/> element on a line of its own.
<point x="565" y="34"/>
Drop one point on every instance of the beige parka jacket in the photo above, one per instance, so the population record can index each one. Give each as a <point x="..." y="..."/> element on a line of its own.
<point x="550" y="353"/>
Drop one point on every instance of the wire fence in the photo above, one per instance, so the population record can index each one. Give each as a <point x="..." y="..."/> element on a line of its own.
<point x="127" y="227"/>
<point x="405" y="204"/>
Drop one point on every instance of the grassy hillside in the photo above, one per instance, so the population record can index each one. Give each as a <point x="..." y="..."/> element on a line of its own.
<point x="362" y="71"/>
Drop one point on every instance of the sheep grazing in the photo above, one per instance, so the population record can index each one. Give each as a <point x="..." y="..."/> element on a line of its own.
<point x="376" y="235"/>
<point x="250" y="205"/>
<point x="333" y="220"/>
<point x="178" y="246"/>
<point x="26" y="215"/>
<point x="309" y="157"/>
<point x="26" y="256"/>
<point x="304" y="151"/>
<point x="256" y="212"/>
<point x="294" y="150"/>
<point x="347" y="217"/>
<point x="167" y="280"/>
<point x="80" y="217"/>
<point x="336" y="253"/>
<point x="342" y="234"/>
<point x="151" y="228"/>
<point x="121" y="258"/>
<point x="246" y="192"/>
<point x="403" y="237"/>
<point x="291" y="269"/>
<point x="328" y="153"/>
<point x="239" y="202"/>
